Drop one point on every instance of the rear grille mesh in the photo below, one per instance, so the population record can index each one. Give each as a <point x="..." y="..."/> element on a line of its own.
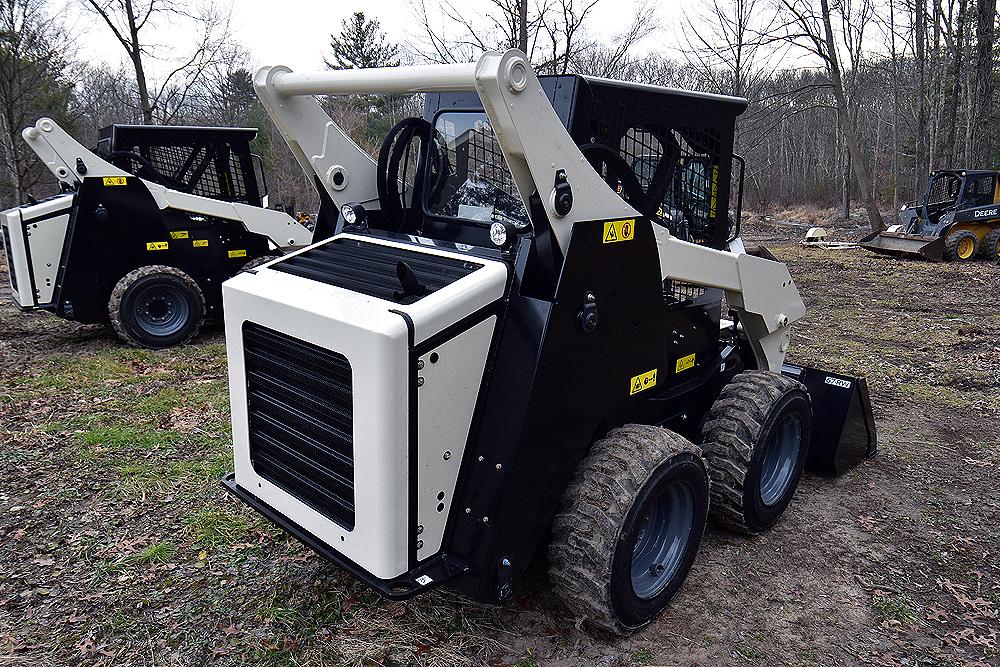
<point x="301" y="419"/>
<point x="373" y="269"/>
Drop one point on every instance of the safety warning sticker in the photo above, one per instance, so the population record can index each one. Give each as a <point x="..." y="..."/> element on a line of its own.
<point x="157" y="245"/>
<point x="619" y="230"/>
<point x="642" y="382"/>
<point x="237" y="253"/>
<point x="685" y="363"/>
<point x="179" y="235"/>
<point x="115" y="180"/>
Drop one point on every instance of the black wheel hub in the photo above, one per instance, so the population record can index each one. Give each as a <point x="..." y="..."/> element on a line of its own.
<point x="161" y="309"/>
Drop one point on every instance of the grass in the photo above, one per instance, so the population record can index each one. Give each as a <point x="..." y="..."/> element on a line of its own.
<point x="895" y="607"/>
<point x="213" y="528"/>
<point x="159" y="552"/>
<point x="642" y="656"/>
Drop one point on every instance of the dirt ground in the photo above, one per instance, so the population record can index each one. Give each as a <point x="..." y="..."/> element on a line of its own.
<point x="119" y="547"/>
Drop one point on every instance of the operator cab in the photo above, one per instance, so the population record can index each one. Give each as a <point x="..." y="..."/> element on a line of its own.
<point x="668" y="153"/>
<point x="213" y="162"/>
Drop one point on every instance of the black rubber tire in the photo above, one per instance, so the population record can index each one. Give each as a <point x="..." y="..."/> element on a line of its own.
<point x="594" y="532"/>
<point x="258" y="261"/>
<point x="122" y="309"/>
<point x="951" y="253"/>
<point x="734" y="441"/>
<point x="990" y="247"/>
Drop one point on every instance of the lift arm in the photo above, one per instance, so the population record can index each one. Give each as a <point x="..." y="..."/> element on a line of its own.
<point x="537" y="147"/>
<point x="70" y="162"/>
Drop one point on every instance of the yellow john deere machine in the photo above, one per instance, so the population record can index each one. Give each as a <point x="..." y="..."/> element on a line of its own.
<point x="958" y="220"/>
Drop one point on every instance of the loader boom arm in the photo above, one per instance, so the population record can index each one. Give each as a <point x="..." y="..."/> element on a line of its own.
<point x="69" y="161"/>
<point x="536" y="146"/>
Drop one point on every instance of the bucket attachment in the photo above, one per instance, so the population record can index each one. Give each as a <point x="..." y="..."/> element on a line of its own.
<point x="905" y="245"/>
<point x="843" y="426"/>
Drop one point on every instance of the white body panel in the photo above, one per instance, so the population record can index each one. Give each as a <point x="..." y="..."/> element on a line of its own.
<point x="446" y="401"/>
<point x="375" y="341"/>
<point x="37" y="235"/>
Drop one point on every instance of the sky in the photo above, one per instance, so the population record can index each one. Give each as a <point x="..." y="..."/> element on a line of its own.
<point x="296" y="33"/>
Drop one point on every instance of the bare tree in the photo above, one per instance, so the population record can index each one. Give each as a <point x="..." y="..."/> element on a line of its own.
<point x="33" y="63"/>
<point x="726" y="41"/>
<point x="813" y="31"/>
<point x="132" y="21"/>
<point x="552" y="33"/>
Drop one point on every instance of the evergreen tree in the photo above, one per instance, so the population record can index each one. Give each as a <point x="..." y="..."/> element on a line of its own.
<point x="361" y="43"/>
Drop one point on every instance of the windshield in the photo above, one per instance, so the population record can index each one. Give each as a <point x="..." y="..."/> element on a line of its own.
<point x="475" y="184"/>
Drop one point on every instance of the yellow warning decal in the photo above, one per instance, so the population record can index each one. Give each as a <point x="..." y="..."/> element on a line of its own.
<point x="179" y="235"/>
<point x="715" y="192"/>
<point x="619" y="230"/>
<point x="115" y="180"/>
<point x="642" y="382"/>
<point x="237" y="253"/>
<point x="200" y="243"/>
<point x="157" y="245"/>
<point x="685" y="363"/>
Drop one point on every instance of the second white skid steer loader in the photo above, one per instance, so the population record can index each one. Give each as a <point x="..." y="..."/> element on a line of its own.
<point x="145" y="230"/>
<point x="520" y="341"/>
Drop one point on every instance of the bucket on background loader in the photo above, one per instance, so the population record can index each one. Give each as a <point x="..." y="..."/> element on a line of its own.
<point x="907" y="245"/>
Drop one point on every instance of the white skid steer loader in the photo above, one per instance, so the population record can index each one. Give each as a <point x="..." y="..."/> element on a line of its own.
<point x="145" y="231"/>
<point x="512" y="336"/>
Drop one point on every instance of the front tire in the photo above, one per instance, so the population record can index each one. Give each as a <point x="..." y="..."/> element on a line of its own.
<point x="156" y="306"/>
<point x="629" y="527"/>
<point x="756" y="441"/>
<point x="961" y="246"/>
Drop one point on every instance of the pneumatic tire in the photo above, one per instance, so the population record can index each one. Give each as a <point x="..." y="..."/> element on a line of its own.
<point x="961" y="246"/>
<point x="629" y="527"/>
<point x="755" y="442"/>
<point x="156" y="306"/>
<point x="990" y="248"/>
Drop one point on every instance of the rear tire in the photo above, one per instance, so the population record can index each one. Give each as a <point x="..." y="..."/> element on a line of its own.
<point x="258" y="262"/>
<point x="156" y="306"/>
<point x="629" y="527"/>
<point x="961" y="246"/>
<point x="990" y="248"/>
<point x="755" y="441"/>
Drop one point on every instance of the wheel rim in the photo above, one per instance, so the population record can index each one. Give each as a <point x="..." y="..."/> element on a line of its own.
<point x="161" y="310"/>
<point x="780" y="459"/>
<point x="965" y="248"/>
<point x="662" y="539"/>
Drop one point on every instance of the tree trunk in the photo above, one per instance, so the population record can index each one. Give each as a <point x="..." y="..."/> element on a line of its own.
<point x="981" y="121"/>
<point x="958" y="35"/>
<point x="135" y="53"/>
<point x="850" y="136"/>
<point x="845" y="195"/>
<point x="895" y="110"/>
<point x="920" y="168"/>
<point x="522" y="25"/>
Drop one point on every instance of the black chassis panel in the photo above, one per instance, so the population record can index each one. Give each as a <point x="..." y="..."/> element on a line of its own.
<point x="553" y="389"/>
<point x="99" y="252"/>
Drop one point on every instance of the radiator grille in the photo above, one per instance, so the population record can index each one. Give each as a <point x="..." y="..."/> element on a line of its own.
<point x="301" y="420"/>
<point x="373" y="269"/>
